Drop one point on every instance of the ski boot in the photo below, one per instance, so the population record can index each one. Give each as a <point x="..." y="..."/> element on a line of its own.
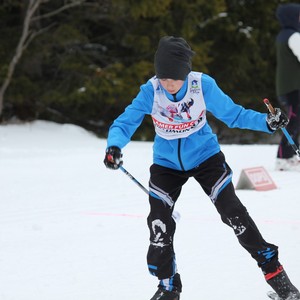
<point x="169" y="289"/>
<point x="162" y="294"/>
<point x="282" y="285"/>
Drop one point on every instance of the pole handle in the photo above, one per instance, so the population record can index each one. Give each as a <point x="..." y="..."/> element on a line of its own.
<point x="269" y="106"/>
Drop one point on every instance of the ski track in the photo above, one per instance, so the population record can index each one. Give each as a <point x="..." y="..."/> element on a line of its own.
<point x="72" y="230"/>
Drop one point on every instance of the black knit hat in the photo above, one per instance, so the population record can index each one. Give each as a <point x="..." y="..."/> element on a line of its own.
<point x="173" y="58"/>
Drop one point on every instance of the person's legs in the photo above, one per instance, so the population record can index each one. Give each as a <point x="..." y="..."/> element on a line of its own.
<point x="161" y="260"/>
<point x="234" y="214"/>
<point x="215" y="178"/>
<point x="285" y="151"/>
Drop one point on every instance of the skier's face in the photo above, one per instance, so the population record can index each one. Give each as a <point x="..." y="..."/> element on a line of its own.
<point x="171" y="86"/>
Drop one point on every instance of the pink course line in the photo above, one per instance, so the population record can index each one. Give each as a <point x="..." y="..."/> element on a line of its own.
<point x="114" y="214"/>
<point x="107" y="214"/>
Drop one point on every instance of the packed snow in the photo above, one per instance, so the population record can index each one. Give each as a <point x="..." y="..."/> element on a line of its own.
<point x="70" y="229"/>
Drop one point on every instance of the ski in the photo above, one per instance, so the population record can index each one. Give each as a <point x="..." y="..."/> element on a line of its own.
<point x="273" y="295"/>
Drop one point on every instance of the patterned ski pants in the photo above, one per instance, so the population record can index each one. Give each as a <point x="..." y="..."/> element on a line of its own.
<point x="214" y="176"/>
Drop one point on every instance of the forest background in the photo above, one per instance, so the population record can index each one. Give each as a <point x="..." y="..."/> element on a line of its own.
<point x="83" y="61"/>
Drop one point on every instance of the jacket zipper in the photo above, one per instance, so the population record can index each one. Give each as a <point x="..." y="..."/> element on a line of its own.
<point x="179" y="143"/>
<point x="179" y="154"/>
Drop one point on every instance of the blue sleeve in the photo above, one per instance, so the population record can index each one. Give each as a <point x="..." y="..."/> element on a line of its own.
<point x="126" y="124"/>
<point x="232" y="114"/>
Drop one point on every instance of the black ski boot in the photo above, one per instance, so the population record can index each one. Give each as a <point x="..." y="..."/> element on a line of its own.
<point x="282" y="285"/>
<point x="162" y="294"/>
<point x="173" y="283"/>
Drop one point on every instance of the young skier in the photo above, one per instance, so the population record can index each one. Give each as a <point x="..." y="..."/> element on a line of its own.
<point x="187" y="147"/>
<point x="288" y="80"/>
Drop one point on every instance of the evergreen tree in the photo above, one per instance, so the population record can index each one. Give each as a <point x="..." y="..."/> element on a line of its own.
<point x="90" y="63"/>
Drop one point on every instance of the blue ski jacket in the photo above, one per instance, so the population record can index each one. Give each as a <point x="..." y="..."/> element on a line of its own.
<point x="188" y="152"/>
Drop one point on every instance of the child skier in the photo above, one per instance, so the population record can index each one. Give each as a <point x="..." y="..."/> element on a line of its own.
<point x="188" y="148"/>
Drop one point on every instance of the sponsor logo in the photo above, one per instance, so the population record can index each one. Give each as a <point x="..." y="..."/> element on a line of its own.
<point x="195" y="89"/>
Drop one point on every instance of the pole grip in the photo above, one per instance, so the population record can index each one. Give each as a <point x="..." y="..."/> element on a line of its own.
<point x="269" y="106"/>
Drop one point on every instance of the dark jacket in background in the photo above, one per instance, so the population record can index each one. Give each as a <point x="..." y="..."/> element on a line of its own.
<point x="288" y="65"/>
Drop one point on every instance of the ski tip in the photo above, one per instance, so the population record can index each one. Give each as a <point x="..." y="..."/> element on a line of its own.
<point x="273" y="295"/>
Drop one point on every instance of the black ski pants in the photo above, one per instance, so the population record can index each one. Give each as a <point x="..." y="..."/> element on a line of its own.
<point x="291" y="101"/>
<point x="214" y="176"/>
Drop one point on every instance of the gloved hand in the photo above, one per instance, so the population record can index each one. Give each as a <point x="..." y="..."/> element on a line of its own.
<point x="113" y="158"/>
<point x="277" y="120"/>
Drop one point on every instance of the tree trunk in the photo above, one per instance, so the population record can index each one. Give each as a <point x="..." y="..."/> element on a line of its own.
<point x="31" y="9"/>
<point x="27" y="36"/>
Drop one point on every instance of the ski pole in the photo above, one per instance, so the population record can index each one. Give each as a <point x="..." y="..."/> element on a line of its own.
<point x="134" y="180"/>
<point x="285" y="132"/>
<point x="175" y="214"/>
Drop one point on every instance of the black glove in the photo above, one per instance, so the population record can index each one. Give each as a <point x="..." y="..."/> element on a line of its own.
<point x="113" y="158"/>
<point x="277" y="120"/>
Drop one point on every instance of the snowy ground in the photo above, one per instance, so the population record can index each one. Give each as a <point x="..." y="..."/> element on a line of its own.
<point x="72" y="230"/>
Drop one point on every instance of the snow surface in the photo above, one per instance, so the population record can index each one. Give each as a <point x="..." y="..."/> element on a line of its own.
<point x="72" y="230"/>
